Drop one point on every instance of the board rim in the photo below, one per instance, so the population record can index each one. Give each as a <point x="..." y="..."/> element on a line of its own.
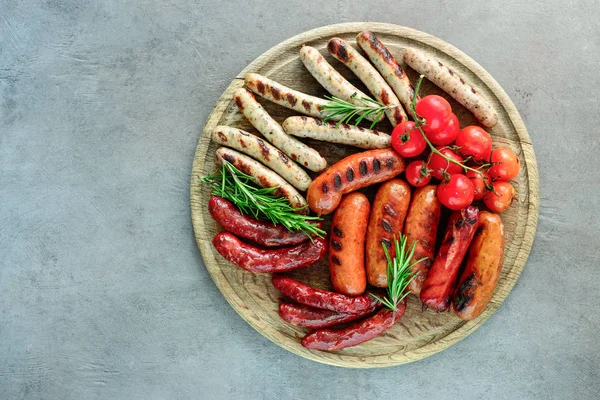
<point x="531" y="199"/>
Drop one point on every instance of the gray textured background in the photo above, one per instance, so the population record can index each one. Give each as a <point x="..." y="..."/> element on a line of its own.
<point x="102" y="289"/>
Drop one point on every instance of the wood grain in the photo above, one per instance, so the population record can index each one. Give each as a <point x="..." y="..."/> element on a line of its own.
<point x="419" y="334"/>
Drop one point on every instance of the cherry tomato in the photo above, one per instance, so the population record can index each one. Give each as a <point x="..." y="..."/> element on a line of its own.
<point x="438" y="164"/>
<point x="408" y="141"/>
<point x="448" y="134"/>
<point x="501" y="198"/>
<point x="457" y="193"/>
<point x="436" y="111"/>
<point x="417" y="173"/>
<point x="481" y="181"/>
<point x="505" y="164"/>
<point x="474" y="142"/>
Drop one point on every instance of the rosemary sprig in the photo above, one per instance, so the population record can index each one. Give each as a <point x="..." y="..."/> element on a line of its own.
<point x="348" y="111"/>
<point x="232" y="184"/>
<point x="399" y="273"/>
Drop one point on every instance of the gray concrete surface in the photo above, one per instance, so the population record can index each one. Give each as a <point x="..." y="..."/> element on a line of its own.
<point x="103" y="293"/>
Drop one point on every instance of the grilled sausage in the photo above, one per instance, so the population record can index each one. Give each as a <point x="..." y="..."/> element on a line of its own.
<point x="257" y="260"/>
<point x="367" y="329"/>
<point x="451" y="83"/>
<point x="387" y="218"/>
<point x="441" y="280"/>
<point x="352" y="173"/>
<point x="347" y="245"/>
<point x="264" y="233"/>
<point x="484" y="263"/>
<point x="421" y="226"/>
<point x="321" y="298"/>
<point x="272" y="131"/>
<point x="261" y="150"/>
<point x="387" y="65"/>
<point x="369" y="76"/>
<point x="330" y="79"/>
<point x="287" y="97"/>
<point x="262" y="176"/>
<point x="306" y="127"/>
<point x="315" y="318"/>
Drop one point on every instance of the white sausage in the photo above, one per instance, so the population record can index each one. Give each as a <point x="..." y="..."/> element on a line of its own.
<point x="369" y="76"/>
<point x="356" y="136"/>
<point x="264" y="152"/>
<point x="272" y="131"/>
<point x="452" y="84"/>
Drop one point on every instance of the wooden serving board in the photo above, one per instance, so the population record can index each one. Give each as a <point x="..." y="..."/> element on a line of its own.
<point x="419" y="333"/>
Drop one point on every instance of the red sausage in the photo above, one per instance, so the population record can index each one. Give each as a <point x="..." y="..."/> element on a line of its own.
<point x="367" y="329"/>
<point x="347" y="245"/>
<point x="322" y="298"/>
<point x="441" y="280"/>
<point x="315" y="318"/>
<point x="264" y="233"/>
<point x="254" y="259"/>
<point x="352" y="173"/>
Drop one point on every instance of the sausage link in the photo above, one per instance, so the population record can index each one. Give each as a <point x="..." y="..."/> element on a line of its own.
<point x="262" y="176"/>
<point x="264" y="152"/>
<point x="347" y="245"/>
<point x="312" y="128"/>
<point x="272" y="131"/>
<point x="387" y="65"/>
<point x="441" y="280"/>
<point x="330" y="79"/>
<point x="387" y="218"/>
<point x="484" y="263"/>
<point x="421" y="226"/>
<point x="264" y="233"/>
<point x="367" y="329"/>
<point x="257" y="260"/>
<point x="315" y="318"/>
<point x="287" y="97"/>
<point x="352" y="173"/>
<point x="322" y="298"/>
<point x="451" y="83"/>
<point x="346" y="54"/>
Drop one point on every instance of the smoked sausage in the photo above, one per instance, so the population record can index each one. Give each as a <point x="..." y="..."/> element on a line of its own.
<point x="315" y="318"/>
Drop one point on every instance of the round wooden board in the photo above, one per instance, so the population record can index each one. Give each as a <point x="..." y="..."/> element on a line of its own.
<point x="419" y="333"/>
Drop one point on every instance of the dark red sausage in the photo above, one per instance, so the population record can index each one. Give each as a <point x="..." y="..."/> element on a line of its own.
<point x="367" y="329"/>
<point x="315" y="318"/>
<point x="254" y="259"/>
<point x="440" y="284"/>
<point x="264" y="233"/>
<point x="322" y="298"/>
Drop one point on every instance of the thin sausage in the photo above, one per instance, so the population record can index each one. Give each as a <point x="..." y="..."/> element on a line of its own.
<point x="347" y="245"/>
<point x="421" y="226"/>
<point x="330" y="79"/>
<point x="264" y="152"/>
<point x="315" y="318"/>
<point x="324" y="299"/>
<point x="387" y="218"/>
<point x="387" y="65"/>
<point x="352" y="173"/>
<point x="367" y="329"/>
<point x="272" y="131"/>
<point x="357" y="136"/>
<point x="441" y="280"/>
<point x="256" y="260"/>
<point x="262" y="176"/>
<point x="346" y="54"/>
<point x="451" y="83"/>
<point x="484" y="263"/>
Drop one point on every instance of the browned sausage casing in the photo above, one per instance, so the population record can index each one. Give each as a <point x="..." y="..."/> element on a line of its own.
<point x="347" y="245"/>
<point x="484" y="263"/>
<point x="387" y="217"/>
<point x="352" y="173"/>
<point x="421" y="226"/>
